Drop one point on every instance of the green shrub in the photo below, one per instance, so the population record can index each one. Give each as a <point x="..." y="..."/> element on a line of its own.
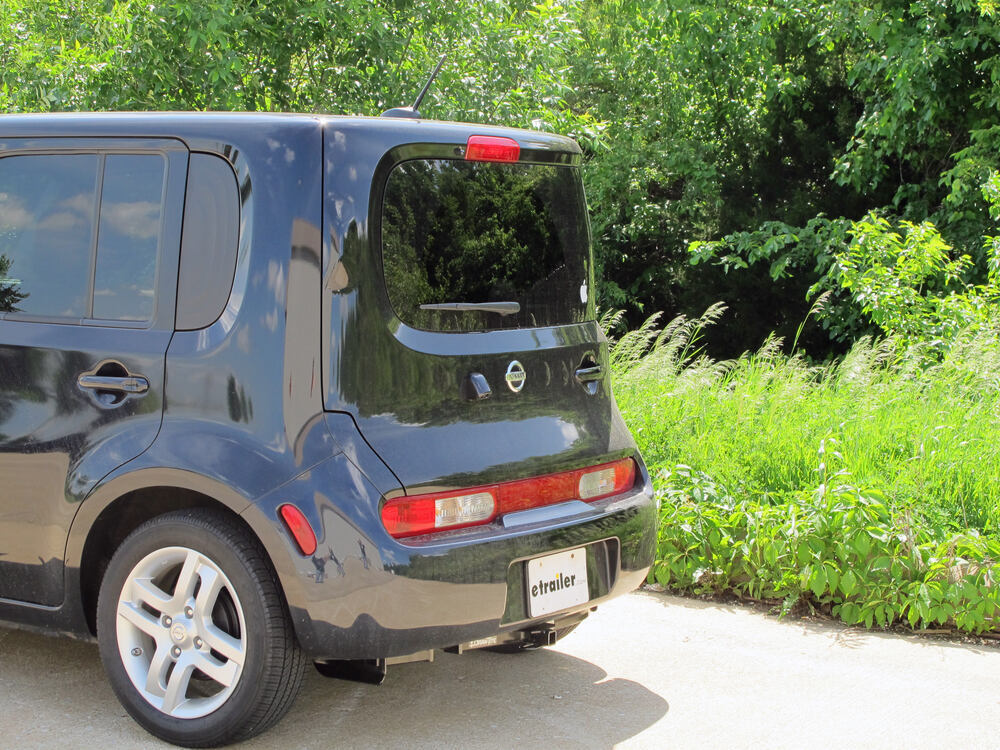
<point x="870" y="485"/>
<point x="910" y="282"/>
<point x="837" y="546"/>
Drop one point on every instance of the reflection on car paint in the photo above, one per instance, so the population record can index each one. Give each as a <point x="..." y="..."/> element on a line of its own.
<point x="307" y="390"/>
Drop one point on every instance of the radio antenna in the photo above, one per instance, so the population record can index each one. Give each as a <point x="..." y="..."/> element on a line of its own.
<point x="412" y="111"/>
<point x="423" y="91"/>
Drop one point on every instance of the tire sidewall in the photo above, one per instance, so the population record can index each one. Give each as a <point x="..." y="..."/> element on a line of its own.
<point x="185" y="531"/>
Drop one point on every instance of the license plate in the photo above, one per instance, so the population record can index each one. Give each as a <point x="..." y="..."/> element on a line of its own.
<point x="557" y="581"/>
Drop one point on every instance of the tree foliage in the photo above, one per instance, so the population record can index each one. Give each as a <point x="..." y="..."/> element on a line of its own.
<point x="921" y="83"/>
<point x="758" y="131"/>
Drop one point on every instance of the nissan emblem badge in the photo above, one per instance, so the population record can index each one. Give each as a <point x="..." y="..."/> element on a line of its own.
<point x="515" y="376"/>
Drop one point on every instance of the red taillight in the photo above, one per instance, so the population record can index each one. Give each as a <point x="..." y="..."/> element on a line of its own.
<point x="491" y="148"/>
<point x="602" y="481"/>
<point x="418" y="514"/>
<point x="437" y="511"/>
<point x="299" y="527"/>
<point x="538" y="491"/>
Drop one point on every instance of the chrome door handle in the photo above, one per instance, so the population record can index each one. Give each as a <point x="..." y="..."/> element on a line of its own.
<point x="589" y="374"/>
<point x="128" y="384"/>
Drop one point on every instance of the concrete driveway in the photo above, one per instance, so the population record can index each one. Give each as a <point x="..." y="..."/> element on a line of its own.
<point x="645" y="671"/>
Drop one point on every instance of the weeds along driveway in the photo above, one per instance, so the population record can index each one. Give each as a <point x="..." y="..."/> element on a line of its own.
<point x="646" y="671"/>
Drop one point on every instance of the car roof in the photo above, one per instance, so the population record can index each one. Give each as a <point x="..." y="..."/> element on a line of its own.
<point x="223" y="124"/>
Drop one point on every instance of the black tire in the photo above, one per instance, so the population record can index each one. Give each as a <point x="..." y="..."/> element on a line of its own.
<point x="520" y="647"/>
<point x="240" y="612"/>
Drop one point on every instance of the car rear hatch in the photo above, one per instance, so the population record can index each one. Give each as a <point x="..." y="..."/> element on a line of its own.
<point x="462" y="322"/>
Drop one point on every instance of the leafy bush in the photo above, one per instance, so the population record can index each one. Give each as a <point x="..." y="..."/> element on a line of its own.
<point x="809" y="251"/>
<point x="911" y="282"/>
<point x="870" y="485"/>
<point x="836" y="546"/>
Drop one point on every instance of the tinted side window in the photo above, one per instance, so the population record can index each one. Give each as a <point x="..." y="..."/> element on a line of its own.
<point x="129" y="236"/>
<point x="210" y="242"/>
<point x="80" y="234"/>
<point x="48" y="207"/>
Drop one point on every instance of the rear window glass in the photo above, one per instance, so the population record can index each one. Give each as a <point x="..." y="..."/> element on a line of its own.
<point x="472" y="246"/>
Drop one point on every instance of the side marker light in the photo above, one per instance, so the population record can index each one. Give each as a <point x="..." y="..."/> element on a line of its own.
<point x="299" y="528"/>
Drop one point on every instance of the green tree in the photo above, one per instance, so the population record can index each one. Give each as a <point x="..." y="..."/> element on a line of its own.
<point x="10" y="294"/>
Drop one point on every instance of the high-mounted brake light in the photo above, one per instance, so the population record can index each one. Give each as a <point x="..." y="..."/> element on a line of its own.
<point x="438" y="511"/>
<point x="491" y="148"/>
<point x="299" y="528"/>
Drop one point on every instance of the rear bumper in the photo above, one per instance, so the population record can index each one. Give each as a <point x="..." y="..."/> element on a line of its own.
<point x="363" y="595"/>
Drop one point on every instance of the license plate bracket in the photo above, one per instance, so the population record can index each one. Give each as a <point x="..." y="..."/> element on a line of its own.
<point x="557" y="581"/>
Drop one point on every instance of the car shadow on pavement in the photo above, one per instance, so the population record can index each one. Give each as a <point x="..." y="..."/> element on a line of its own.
<point x="540" y="699"/>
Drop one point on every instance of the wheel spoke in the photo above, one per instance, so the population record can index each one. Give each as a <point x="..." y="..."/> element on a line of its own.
<point x="224" y="674"/>
<point x="187" y="580"/>
<point x="208" y="594"/>
<point x="156" y="677"/>
<point x="144" y="591"/>
<point x="225" y="644"/>
<point x="140" y="618"/>
<point x="177" y="686"/>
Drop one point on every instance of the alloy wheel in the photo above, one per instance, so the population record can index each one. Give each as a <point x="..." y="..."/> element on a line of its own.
<point x="181" y="632"/>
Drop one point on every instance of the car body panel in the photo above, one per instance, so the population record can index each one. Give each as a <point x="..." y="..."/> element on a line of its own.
<point x="57" y="439"/>
<point x="365" y="594"/>
<point x="404" y="386"/>
<point x="268" y="405"/>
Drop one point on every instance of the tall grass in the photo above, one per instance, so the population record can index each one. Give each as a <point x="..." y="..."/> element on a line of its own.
<point x="871" y="484"/>
<point x="927" y="437"/>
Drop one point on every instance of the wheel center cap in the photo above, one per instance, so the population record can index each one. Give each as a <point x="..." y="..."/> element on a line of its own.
<point x="178" y="632"/>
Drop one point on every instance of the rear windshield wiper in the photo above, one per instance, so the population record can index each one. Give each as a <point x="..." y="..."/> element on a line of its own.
<point x="502" y="308"/>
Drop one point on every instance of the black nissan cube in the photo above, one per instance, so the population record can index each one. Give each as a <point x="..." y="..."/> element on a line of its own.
<point x="281" y="389"/>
